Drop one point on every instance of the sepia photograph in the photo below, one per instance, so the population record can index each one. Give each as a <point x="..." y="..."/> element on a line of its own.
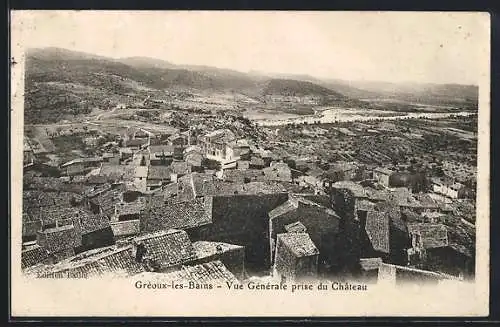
<point x="295" y="155"/>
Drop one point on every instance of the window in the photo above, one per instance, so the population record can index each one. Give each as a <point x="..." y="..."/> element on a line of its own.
<point x="417" y="240"/>
<point x="52" y="225"/>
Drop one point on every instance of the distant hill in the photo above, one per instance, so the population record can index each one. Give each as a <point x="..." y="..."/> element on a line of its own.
<point x="60" y="64"/>
<point x="425" y="93"/>
<point x="61" y="83"/>
<point x="146" y="62"/>
<point x="54" y="54"/>
<point x="428" y="93"/>
<point x="290" y="87"/>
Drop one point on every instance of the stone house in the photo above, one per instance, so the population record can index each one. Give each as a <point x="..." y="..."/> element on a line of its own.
<point x="296" y="257"/>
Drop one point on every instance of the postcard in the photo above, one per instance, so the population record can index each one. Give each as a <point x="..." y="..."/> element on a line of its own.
<point x="249" y="163"/>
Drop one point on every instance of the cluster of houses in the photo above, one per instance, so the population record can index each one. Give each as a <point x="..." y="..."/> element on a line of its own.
<point x="449" y="188"/>
<point x="221" y="207"/>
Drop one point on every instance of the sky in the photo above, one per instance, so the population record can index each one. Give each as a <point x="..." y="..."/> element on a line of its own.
<point x="390" y="46"/>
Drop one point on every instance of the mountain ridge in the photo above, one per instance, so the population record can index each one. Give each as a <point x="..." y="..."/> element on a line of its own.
<point x="66" y="82"/>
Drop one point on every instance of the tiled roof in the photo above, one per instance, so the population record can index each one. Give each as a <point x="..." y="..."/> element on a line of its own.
<point x="239" y="176"/>
<point x="155" y="199"/>
<point x="170" y="190"/>
<point x="159" y="172"/>
<point x="213" y="272"/>
<point x="194" y="158"/>
<point x="411" y="217"/>
<point x="382" y="170"/>
<point x="277" y="171"/>
<point x="64" y="198"/>
<point x="220" y="136"/>
<point x="180" y="168"/>
<point x="192" y="149"/>
<point x="436" y="180"/>
<point x="136" y="142"/>
<point x="377" y="229"/>
<point x="241" y="143"/>
<point x="181" y="215"/>
<point x="344" y="166"/>
<point x="109" y="260"/>
<point x="154" y="182"/>
<point x="126" y="228"/>
<point x="53" y="214"/>
<point x="167" y="248"/>
<point x="457" y="186"/>
<point x="199" y="185"/>
<point x="36" y="198"/>
<point x="30" y="226"/>
<point x="424" y="273"/>
<point x="94" y="191"/>
<point x="43" y="183"/>
<point x="73" y="187"/>
<point x="63" y="254"/>
<point x="295" y="202"/>
<point x="130" y="208"/>
<point x="355" y="188"/>
<point x="432" y="235"/>
<point x="365" y="205"/>
<point x="120" y="260"/>
<point x="404" y="198"/>
<point x="427" y="201"/>
<point x="393" y="211"/>
<point x="47" y="271"/>
<point x="92" y="223"/>
<point x="60" y="238"/>
<point x="176" y="136"/>
<point x="206" y="249"/>
<point x="223" y="188"/>
<point x="377" y="195"/>
<point x="108" y="155"/>
<point x="82" y="160"/>
<point x="32" y="256"/>
<point x="202" y="184"/>
<point x="256" y="161"/>
<point x="243" y="164"/>
<point x="461" y="249"/>
<point x="97" y="179"/>
<point x="299" y="243"/>
<point x="106" y="201"/>
<point x="117" y="171"/>
<point x="286" y="207"/>
<point x="321" y="199"/>
<point x="315" y="172"/>
<point x="159" y="149"/>
<point x="296" y="227"/>
<point x="370" y="263"/>
<point x="125" y="150"/>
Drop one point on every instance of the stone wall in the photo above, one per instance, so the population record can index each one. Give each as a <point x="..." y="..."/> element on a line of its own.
<point x="233" y="259"/>
<point x="348" y="249"/>
<point x="321" y="226"/>
<point x="294" y="268"/>
<point x="244" y="220"/>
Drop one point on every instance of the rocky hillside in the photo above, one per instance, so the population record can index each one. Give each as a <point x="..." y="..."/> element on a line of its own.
<point x="61" y="84"/>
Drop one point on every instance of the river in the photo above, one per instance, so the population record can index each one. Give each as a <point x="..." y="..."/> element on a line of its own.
<point x="356" y="115"/>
